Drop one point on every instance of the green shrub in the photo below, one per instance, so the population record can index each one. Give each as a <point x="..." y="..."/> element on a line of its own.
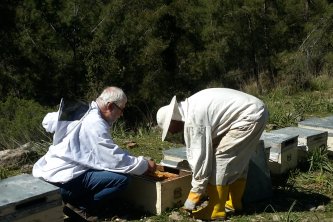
<point x="319" y="160"/>
<point x="21" y="122"/>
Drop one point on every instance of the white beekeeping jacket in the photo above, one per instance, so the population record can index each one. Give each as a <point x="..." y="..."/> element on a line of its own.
<point x="83" y="144"/>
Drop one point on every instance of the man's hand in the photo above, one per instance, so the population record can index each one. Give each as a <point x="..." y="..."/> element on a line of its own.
<point x="192" y="201"/>
<point x="151" y="166"/>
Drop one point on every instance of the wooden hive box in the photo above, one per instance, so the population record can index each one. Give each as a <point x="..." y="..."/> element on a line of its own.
<point x="283" y="151"/>
<point x="155" y="196"/>
<point x="27" y="199"/>
<point x="308" y="140"/>
<point x="322" y="124"/>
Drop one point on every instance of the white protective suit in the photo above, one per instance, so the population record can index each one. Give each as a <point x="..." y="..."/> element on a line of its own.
<point x="222" y="129"/>
<point x="82" y="145"/>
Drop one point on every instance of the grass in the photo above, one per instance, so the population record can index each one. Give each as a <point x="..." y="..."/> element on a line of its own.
<point x="148" y="144"/>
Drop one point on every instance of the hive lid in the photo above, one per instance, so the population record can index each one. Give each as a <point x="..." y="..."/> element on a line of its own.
<point x="179" y="153"/>
<point x="326" y="122"/>
<point x="24" y="187"/>
<point x="301" y="132"/>
<point x="276" y="138"/>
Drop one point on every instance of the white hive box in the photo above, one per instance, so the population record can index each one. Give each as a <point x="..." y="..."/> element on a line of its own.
<point x="155" y="196"/>
<point x="28" y="199"/>
<point x="323" y="124"/>
<point x="308" y="139"/>
<point x="283" y="151"/>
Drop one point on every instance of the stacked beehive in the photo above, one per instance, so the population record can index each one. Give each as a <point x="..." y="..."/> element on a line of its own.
<point x="308" y="140"/>
<point x="323" y="124"/>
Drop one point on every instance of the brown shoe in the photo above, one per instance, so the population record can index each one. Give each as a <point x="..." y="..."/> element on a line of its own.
<point x="78" y="214"/>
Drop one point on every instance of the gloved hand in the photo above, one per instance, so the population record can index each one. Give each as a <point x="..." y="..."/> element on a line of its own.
<point x="192" y="201"/>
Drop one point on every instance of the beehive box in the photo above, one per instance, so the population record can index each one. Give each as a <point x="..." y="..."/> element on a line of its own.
<point x="27" y="199"/>
<point x="283" y="151"/>
<point x="155" y="196"/>
<point x="323" y="124"/>
<point x="308" y="140"/>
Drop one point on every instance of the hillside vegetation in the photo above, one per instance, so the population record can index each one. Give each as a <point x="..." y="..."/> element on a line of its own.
<point x="155" y="49"/>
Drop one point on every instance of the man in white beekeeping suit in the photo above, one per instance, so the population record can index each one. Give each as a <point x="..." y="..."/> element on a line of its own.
<point x="222" y="128"/>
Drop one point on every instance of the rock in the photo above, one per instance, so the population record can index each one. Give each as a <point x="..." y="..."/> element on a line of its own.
<point x="175" y="216"/>
<point x="120" y="220"/>
<point x="130" y="144"/>
<point x="14" y="158"/>
<point x="276" y="217"/>
<point x="258" y="218"/>
<point x="320" y="208"/>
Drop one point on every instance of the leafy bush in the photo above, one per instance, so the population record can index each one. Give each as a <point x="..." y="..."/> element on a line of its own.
<point x="20" y="122"/>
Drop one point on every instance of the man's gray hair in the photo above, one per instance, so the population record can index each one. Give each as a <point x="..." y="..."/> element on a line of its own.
<point x="112" y="94"/>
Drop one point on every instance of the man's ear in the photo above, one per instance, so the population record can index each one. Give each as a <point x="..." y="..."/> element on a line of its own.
<point x="109" y="106"/>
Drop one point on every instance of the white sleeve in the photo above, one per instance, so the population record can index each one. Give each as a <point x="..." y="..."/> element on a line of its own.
<point x="98" y="150"/>
<point x="199" y="155"/>
<point x="50" y="122"/>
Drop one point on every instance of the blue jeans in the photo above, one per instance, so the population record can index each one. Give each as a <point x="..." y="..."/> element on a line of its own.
<point x="93" y="189"/>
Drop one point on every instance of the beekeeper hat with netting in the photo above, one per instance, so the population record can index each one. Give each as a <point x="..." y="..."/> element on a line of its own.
<point x="167" y="113"/>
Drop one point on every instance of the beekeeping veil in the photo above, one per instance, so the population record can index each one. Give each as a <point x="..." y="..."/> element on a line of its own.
<point x="167" y="113"/>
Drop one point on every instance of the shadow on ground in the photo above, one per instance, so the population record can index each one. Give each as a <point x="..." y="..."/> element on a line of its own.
<point x="287" y="197"/>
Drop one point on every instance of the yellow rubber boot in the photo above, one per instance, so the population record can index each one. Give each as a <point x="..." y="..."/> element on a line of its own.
<point x="236" y="192"/>
<point x="215" y="210"/>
